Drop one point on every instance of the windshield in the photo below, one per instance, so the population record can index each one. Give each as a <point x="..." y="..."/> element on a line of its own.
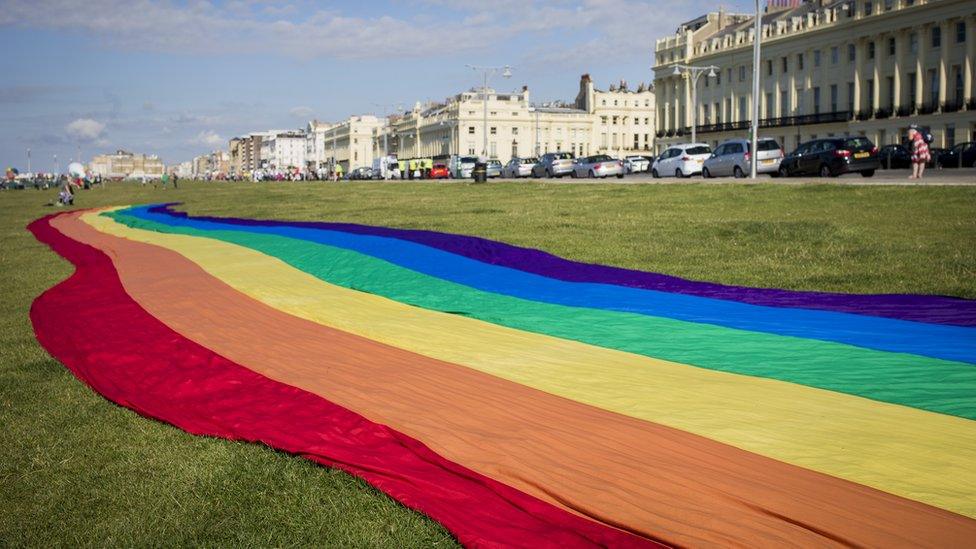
<point x="562" y="156"/>
<point x="529" y="161"/>
<point x="494" y="162"/>
<point x="468" y="159"/>
<point x="600" y="158"/>
<point x="701" y="149"/>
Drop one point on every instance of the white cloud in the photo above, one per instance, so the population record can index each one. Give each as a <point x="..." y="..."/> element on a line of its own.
<point x="208" y="138"/>
<point x="85" y="129"/>
<point x="301" y="112"/>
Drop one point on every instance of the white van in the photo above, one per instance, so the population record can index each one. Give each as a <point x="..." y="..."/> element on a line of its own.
<point x="386" y="167"/>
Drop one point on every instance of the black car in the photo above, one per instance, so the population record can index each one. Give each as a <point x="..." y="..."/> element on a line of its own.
<point x="962" y="155"/>
<point x="895" y="157"/>
<point x="831" y="157"/>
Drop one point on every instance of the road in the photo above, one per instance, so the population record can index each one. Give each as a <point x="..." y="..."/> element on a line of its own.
<point x="960" y="177"/>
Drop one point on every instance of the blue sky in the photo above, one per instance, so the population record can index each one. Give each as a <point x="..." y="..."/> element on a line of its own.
<point x="179" y="78"/>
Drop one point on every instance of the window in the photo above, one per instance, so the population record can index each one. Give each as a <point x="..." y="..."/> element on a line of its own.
<point x="959" y="85"/>
<point x="799" y="61"/>
<point x="913" y="43"/>
<point x="769" y="67"/>
<point x="743" y="113"/>
<point x="784" y="103"/>
<point x="799" y="101"/>
<point x="718" y="78"/>
<point x="786" y="64"/>
<point x="870" y="50"/>
<point x="871" y="104"/>
<point x="816" y="100"/>
<point x="891" y="93"/>
<point x="493" y="149"/>
<point x="851" y="53"/>
<point x="868" y="7"/>
<point x="769" y="105"/>
<point x="891" y="46"/>
<point x="816" y="58"/>
<point x="888" y="4"/>
<point x="933" y="87"/>
<point x="705" y="118"/>
<point x="936" y="37"/>
<point x="850" y="97"/>
<point x="742" y="73"/>
<point x="718" y="114"/>
<point x="960" y="32"/>
<point x="833" y="98"/>
<point x="471" y="130"/>
<point x="471" y="147"/>
<point x="615" y="118"/>
<point x="636" y="141"/>
<point x="912" y="96"/>
<point x="646" y="120"/>
<point x="730" y="75"/>
<point x="514" y="131"/>
<point x="834" y="55"/>
<point x="494" y="130"/>
<point x="950" y="136"/>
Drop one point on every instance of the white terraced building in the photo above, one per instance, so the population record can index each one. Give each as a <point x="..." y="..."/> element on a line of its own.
<point x="852" y="67"/>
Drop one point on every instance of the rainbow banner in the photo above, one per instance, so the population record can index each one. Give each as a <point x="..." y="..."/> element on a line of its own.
<point x="523" y="399"/>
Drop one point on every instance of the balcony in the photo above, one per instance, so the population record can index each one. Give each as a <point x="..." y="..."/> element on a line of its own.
<point x="863" y="115"/>
<point x="952" y="106"/>
<point x="801" y="120"/>
<point x="883" y="113"/>
<point x="906" y="111"/>
<point x="929" y="108"/>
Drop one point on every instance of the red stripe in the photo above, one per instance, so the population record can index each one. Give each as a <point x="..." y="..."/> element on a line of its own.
<point x="132" y="359"/>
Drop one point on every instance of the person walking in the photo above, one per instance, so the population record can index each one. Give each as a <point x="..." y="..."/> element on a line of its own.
<point x="920" y="152"/>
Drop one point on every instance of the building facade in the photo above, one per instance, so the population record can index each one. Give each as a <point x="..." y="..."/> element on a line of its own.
<point x="619" y="121"/>
<point x="348" y="143"/>
<point x="852" y="67"/>
<point x="124" y="164"/>
<point x="283" y="150"/>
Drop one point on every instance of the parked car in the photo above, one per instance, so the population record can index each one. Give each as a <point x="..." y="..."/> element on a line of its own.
<point x="682" y="160"/>
<point x="894" y="157"/>
<point x="554" y="164"/>
<point x="440" y="171"/>
<point x="461" y="166"/>
<point x="599" y="165"/>
<point x="831" y="157"/>
<point x="519" y="167"/>
<point x="962" y="154"/>
<point x="494" y="168"/>
<point x="636" y="164"/>
<point x="361" y="173"/>
<point x="732" y="158"/>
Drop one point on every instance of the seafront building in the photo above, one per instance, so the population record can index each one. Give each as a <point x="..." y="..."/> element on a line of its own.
<point x="852" y="67"/>
<point x="348" y="143"/>
<point x="122" y="164"/>
<point x="618" y="121"/>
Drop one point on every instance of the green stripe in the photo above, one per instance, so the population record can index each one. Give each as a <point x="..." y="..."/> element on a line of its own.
<point x="921" y="382"/>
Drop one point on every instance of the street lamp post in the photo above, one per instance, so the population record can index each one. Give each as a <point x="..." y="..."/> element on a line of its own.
<point x="486" y="72"/>
<point x="755" y="92"/>
<point x="693" y="73"/>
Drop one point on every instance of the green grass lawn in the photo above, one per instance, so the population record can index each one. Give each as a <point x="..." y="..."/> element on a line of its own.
<point x="76" y="469"/>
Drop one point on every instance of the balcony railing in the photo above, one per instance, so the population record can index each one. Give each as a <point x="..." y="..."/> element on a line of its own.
<point x="863" y="115"/>
<point x="801" y="120"/>
<point x="906" y="111"/>
<point x="929" y="108"/>
<point x="883" y="113"/>
<point x="952" y="106"/>
<point x="971" y="104"/>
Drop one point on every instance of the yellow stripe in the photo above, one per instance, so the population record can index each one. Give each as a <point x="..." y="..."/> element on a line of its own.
<point x="916" y="454"/>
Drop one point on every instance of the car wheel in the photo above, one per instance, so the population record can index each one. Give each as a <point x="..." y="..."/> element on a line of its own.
<point x="573" y="174"/>
<point x="737" y="172"/>
<point x="867" y="173"/>
<point x="677" y="173"/>
<point x="654" y="174"/>
<point x="825" y="171"/>
<point x="706" y="174"/>
<point x="620" y="176"/>
<point x="783" y="171"/>
<point x="548" y="174"/>
<point x="592" y="174"/>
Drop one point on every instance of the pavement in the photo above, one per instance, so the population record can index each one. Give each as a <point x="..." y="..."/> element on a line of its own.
<point x="949" y="177"/>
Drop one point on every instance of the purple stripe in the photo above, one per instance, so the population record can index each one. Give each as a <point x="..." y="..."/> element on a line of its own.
<point x="919" y="308"/>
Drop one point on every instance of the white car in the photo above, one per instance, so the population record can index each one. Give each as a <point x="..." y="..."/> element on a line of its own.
<point x="683" y="160"/>
<point x="636" y="164"/>
<point x="518" y="167"/>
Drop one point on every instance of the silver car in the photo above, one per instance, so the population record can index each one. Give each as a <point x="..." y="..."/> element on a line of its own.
<point x="494" y="169"/>
<point x="732" y="158"/>
<point x="636" y="164"/>
<point x="519" y="167"/>
<point x="599" y="165"/>
<point x="555" y="164"/>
